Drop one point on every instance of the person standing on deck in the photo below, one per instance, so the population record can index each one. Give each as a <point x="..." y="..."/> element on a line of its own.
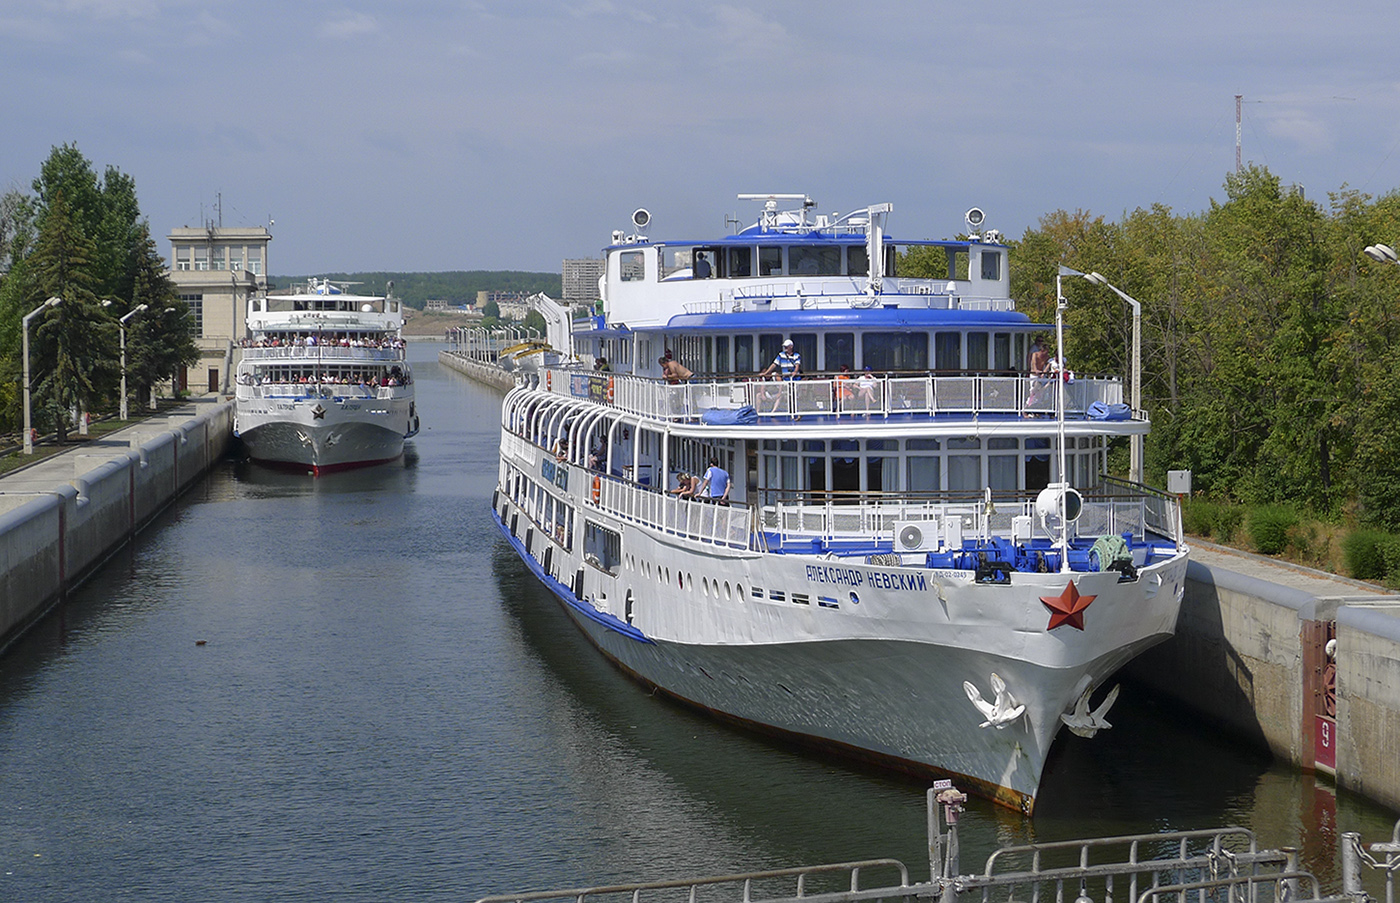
<point x="788" y="362"/>
<point x="715" y="485"/>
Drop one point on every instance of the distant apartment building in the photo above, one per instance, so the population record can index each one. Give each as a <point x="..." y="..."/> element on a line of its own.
<point x="511" y="304"/>
<point x="581" y="281"/>
<point x="215" y="271"/>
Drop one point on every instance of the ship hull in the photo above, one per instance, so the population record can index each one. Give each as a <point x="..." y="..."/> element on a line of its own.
<point x="324" y="434"/>
<point x="886" y="686"/>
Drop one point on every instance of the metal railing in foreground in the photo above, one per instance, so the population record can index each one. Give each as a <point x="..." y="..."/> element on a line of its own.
<point x="1208" y="866"/>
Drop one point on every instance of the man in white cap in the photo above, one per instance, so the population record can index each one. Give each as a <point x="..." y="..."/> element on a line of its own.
<point x="788" y="362"/>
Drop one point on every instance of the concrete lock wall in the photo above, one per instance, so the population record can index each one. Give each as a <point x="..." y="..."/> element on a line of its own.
<point x="51" y="541"/>
<point x="1368" y="702"/>
<point x="1249" y="656"/>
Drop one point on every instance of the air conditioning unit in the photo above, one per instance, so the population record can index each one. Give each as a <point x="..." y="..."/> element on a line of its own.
<point x="915" y="535"/>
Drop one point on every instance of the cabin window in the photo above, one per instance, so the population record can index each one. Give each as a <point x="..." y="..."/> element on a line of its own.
<point x="806" y="260"/>
<point x="991" y="265"/>
<point x="1003" y="470"/>
<point x="977" y="351"/>
<point x="631" y="266"/>
<point x="770" y="260"/>
<point x="1037" y="464"/>
<point x="1001" y="351"/>
<point x="601" y="546"/>
<point x="840" y="349"/>
<point x="947" y="350"/>
<point x="857" y="261"/>
<point x="738" y="262"/>
<point x="722" y="354"/>
<point x="886" y="351"/>
<point x="743" y="354"/>
<point x="964" y="470"/>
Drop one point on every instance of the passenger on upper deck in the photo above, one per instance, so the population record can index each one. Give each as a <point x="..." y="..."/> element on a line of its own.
<point x="673" y="370"/>
<point x="788" y="362"/>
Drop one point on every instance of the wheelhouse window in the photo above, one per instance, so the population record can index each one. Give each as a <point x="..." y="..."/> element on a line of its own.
<point x="770" y="260"/>
<point x="857" y="261"/>
<point x="820" y="260"/>
<point x="895" y="351"/>
<point x="631" y="266"/>
<point x="738" y="262"/>
<point x="991" y="265"/>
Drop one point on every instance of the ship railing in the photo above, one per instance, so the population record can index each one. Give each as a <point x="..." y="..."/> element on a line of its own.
<point x="1116" y="507"/>
<point x="321" y="353"/>
<point x="704" y="521"/>
<point x="842" y="882"/>
<point x="245" y="392"/>
<point x="856" y="397"/>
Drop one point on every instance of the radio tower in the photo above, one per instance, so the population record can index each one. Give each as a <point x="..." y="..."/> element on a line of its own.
<point x="1239" y="100"/>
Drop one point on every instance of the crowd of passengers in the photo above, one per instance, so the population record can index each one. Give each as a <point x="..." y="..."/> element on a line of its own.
<point x="394" y="377"/>
<point x="326" y="340"/>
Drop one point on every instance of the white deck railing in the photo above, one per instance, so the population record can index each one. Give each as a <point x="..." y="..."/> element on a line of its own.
<point x="305" y="353"/>
<point x="312" y="390"/>
<point x="856" y="397"/>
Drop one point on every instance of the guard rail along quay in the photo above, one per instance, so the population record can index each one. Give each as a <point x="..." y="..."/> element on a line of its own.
<point x="1219" y="864"/>
<point x="63" y="516"/>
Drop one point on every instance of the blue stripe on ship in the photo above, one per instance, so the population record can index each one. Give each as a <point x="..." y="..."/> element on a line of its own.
<point x="565" y="594"/>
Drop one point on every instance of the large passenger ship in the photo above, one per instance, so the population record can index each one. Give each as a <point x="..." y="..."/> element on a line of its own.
<point x="323" y="382"/>
<point x="831" y="501"/>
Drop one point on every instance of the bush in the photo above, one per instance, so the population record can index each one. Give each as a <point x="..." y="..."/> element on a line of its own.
<point x="1218" y="520"/>
<point x="1364" y="553"/>
<point x="1268" y="527"/>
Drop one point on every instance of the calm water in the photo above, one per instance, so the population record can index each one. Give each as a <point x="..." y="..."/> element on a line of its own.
<point x="387" y="707"/>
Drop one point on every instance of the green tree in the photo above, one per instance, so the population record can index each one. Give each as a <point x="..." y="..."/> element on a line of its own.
<point x="72" y="351"/>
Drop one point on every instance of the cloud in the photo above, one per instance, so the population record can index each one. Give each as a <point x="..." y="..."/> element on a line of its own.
<point x="349" y="25"/>
<point x="1307" y="131"/>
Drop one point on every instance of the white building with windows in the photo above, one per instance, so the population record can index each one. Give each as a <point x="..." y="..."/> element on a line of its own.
<point x="215" y="270"/>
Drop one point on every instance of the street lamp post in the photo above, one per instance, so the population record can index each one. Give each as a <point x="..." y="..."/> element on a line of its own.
<point x="1135" y="464"/>
<point x="28" y="428"/>
<point x="121" y="325"/>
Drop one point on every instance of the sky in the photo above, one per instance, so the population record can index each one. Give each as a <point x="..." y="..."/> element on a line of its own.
<point x="421" y="135"/>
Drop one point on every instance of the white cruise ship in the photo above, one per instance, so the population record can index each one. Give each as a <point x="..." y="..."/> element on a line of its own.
<point x="323" y="382"/>
<point x="916" y="559"/>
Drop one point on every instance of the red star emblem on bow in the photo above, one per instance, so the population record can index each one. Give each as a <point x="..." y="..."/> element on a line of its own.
<point x="1067" y="608"/>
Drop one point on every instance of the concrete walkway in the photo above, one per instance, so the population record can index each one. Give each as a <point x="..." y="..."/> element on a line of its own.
<point x="1314" y="582"/>
<point x="78" y="457"/>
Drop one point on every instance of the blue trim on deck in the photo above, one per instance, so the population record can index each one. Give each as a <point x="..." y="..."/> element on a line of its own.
<point x="868" y="319"/>
<point x="565" y="594"/>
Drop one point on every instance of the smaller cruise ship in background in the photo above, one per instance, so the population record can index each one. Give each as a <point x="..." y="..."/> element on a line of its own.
<point x="324" y="382"/>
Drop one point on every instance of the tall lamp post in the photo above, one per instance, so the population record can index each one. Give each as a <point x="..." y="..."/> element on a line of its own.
<point x="1135" y="463"/>
<point x="121" y="325"/>
<point x="28" y="434"/>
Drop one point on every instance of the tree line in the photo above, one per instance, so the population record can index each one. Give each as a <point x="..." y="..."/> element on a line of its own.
<point x="81" y="239"/>
<point x="1268" y="338"/>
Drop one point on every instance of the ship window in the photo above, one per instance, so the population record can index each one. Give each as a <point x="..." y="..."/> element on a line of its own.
<point x="964" y="473"/>
<point x="840" y="349"/>
<point x="922" y="444"/>
<point x="632" y="266"/>
<point x="882" y="445"/>
<point x="923" y="473"/>
<point x="977" y="351"/>
<point x="947" y="350"/>
<point x="857" y="261"/>
<point x="770" y="260"/>
<point x="957" y="263"/>
<point x="885" y="351"/>
<point x="807" y="260"/>
<point x="1002" y="472"/>
<point x="738" y="262"/>
<point x="1001" y="351"/>
<point x="991" y="265"/>
<point x="743" y="354"/>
